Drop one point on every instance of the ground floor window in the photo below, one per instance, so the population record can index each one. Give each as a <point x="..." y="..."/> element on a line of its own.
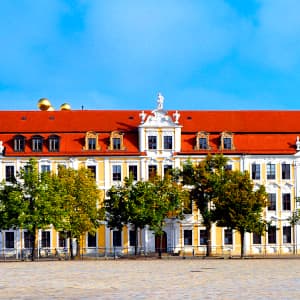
<point x="61" y="239"/>
<point x="91" y="240"/>
<point x="256" y="238"/>
<point x="27" y="240"/>
<point x="203" y="234"/>
<point x="117" y="238"/>
<point x="188" y="237"/>
<point x="286" y="234"/>
<point x="272" y="235"/>
<point x="9" y="239"/>
<point x="227" y="237"/>
<point x="45" y="243"/>
<point x="132" y="238"/>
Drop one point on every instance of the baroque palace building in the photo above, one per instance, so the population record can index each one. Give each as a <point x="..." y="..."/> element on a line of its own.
<point x="114" y="143"/>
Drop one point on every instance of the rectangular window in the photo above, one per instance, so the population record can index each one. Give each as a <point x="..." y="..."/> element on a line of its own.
<point x="255" y="171"/>
<point x="285" y="171"/>
<point x="256" y="238"/>
<point x="167" y="169"/>
<point x="92" y="143"/>
<point x="152" y="171"/>
<point x="203" y="143"/>
<point x="19" y="144"/>
<point x="132" y="238"/>
<point x="61" y="240"/>
<point x="117" y="238"/>
<point x="228" y="167"/>
<point x="37" y="144"/>
<point x="286" y="234"/>
<point x="93" y="170"/>
<point x="188" y="237"/>
<point x="272" y="201"/>
<point x="271" y="172"/>
<point x="227" y="237"/>
<point x="203" y="236"/>
<point x="9" y="173"/>
<point x="132" y="169"/>
<point x="286" y="201"/>
<point x="45" y="243"/>
<point x="227" y="143"/>
<point x="168" y="142"/>
<point x="152" y="142"/>
<point x="27" y="240"/>
<point x="272" y="235"/>
<point x="116" y="143"/>
<point x="45" y="168"/>
<point x="91" y="240"/>
<point x="54" y="144"/>
<point x="9" y="239"/>
<point x="116" y="173"/>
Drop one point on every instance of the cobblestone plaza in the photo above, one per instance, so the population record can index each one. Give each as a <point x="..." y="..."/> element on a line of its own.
<point x="152" y="279"/>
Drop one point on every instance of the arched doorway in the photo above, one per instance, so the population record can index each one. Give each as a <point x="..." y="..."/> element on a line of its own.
<point x="162" y="244"/>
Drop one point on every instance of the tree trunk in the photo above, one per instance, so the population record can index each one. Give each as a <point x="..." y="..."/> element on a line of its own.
<point x="208" y="243"/>
<point x="33" y="244"/>
<point x="136" y="240"/>
<point x="242" y="232"/>
<point x="160" y="244"/>
<point x="71" y="247"/>
<point x="78" y="247"/>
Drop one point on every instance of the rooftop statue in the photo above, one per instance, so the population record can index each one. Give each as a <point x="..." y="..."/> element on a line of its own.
<point x="160" y="101"/>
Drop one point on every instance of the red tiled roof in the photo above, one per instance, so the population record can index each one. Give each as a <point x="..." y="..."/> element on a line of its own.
<point x="264" y="132"/>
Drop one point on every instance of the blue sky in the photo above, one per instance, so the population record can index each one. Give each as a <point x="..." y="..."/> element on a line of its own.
<point x="200" y="54"/>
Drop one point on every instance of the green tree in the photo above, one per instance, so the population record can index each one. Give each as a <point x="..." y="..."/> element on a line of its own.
<point x="79" y="199"/>
<point x="238" y="206"/>
<point x="167" y="200"/>
<point x="203" y="180"/>
<point x="29" y="202"/>
<point x="129" y="203"/>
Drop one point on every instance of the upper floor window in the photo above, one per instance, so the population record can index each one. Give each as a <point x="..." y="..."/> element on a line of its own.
<point x="167" y="169"/>
<point x="152" y="171"/>
<point x="53" y="143"/>
<point x="91" y="141"/>
<point x="255" y="171"/>
<point x="45" y="168"/>
<point x="271" y="171"/>
<point x="117" y="141"/>
<point x="37" y="143"/>
<point x="19" y="143"/>
<point x="152" y="142"/>
<point x="132" y="169"/>
<point x="168" y="142"/>
<point x="116" y="173"/>
<point x="272" y="201"/>
<point x="228" y="168"/>
<point x="226" y="141"/>
<point x="202" y="141"/>
<point x="285" y="171"/>
<point x="286" y="201"/>
<point x="10" y="173"/>
<point x="93" y="170"/>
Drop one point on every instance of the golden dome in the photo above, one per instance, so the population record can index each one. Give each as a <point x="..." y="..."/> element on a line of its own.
<point x="51" y="108"/>
<point x="65" y="106"/>
<point x="44" y="104"/>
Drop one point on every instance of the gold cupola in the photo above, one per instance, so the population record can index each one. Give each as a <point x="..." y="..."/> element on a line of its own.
<point x="65" y="106"/>
<point x="44" y="104"/>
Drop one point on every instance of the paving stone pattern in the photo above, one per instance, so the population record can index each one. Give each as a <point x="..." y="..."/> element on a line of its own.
<point x="152" y="279"/>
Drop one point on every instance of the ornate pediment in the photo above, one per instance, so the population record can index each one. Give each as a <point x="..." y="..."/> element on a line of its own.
<point x="159" y="117"/>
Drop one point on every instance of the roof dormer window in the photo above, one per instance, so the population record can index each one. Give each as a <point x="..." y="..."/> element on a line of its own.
<point x="53" y="143"/>
<point x="19" y="143"/>
<point x="226" y="141"/>
<point x="91" y="141"/>
<point x="202" y="141"/>
<point x="37" y="143"/>
<point x="116" y="141"/>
